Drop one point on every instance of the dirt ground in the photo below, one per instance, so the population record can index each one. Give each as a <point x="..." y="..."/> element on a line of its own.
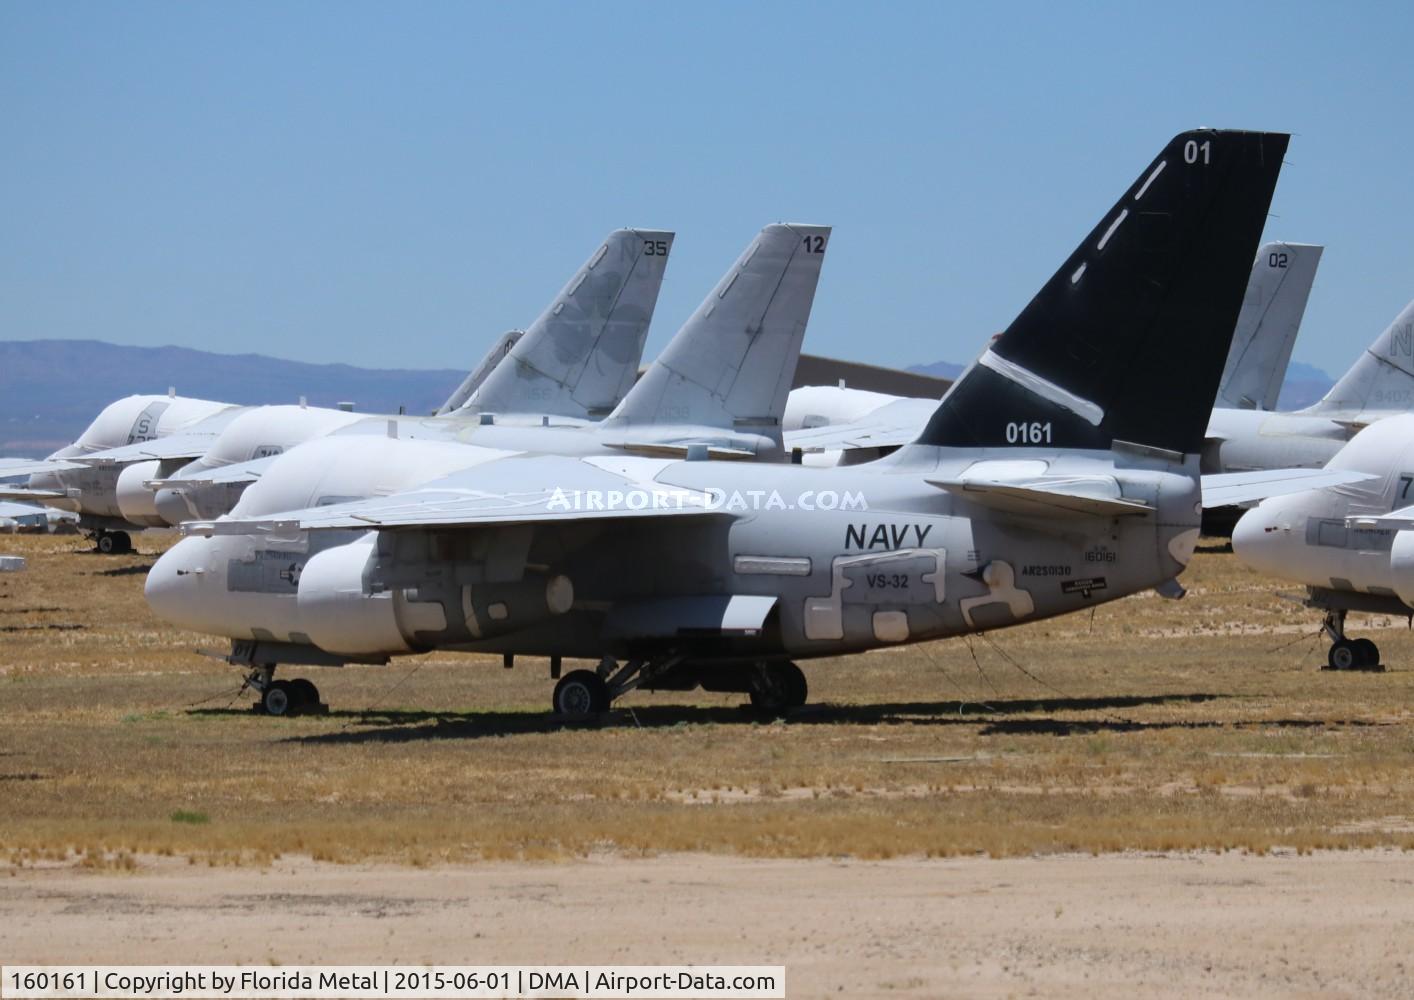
<point x="1140" y="800"/>
<point x="1332" y="924"/>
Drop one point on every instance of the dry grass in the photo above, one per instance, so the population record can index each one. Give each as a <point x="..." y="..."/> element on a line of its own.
<point x="1156" y="725"/>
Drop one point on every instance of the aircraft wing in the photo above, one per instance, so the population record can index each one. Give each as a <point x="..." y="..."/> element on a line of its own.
<point x="13" y="467"/>
<point x="192" y="445"/>
<point x="33" y="496"/>
<point x="1055" y="496"/>
<point x="892" y="425"/>
<point x="1231" y="488"/>
<point x="570" y="489"/>
<point x="236" y="472"/>
<point x="680" y="449"/>
<point x="8" y="509"/>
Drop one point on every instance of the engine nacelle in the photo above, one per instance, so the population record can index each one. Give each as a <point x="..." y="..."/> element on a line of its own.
<point x="135" y="501"/>
<point x="1401" y="566"/>
<point x="344" y="606"/>
<point x="341" y="610"/>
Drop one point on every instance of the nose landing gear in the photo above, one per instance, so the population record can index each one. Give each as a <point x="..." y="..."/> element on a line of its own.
<point x="1346" y="653"/>
<point x="297" y="696"/>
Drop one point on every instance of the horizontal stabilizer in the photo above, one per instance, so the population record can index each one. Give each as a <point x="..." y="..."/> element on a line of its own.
<point x="1229" y="489"/>
<point x="890" y="426"/>
<point x="1396" y="520"/>
<point x="1093" y="496"/>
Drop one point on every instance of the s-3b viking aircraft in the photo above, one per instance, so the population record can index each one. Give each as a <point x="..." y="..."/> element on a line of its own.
<point x="1351" y="545"/>
<point x="1059" y="472"/>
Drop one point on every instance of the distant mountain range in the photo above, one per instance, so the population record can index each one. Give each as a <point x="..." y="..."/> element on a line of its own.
<point x="51" y="389"/>
<point x="1304" y="384"/>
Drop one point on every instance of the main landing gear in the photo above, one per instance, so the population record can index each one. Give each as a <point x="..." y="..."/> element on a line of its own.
<point x="112" y="543"/>
<point x="773" y="687"/>
<point x="296" y="696"/>
<point x="776" y="687"/>
<point x="1345" y="653"/>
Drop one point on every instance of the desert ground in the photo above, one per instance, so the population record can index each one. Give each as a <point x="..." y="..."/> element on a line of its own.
<point x="1161" y="798"/>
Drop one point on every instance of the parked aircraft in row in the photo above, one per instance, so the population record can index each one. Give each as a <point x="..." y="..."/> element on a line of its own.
<point x="127" y="466"/>
<point x="118" y="476"/>
<point x="573" y="366"/>
<point x="1060" y="471"/>
<point x="1244" y="432"/>
<point x="1351" y="545"/>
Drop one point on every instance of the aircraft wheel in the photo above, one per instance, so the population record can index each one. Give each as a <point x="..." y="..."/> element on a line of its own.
<point x="279" y="699"/>
<point x="122" y="542"/>
<point x="796" y="688"/>
<point x="580" y="694"/>
<point x="779" y="686"/>
<point x="305" y="693"/>
<point x="106" y="543"/>
<point x="1344" y="655"/>
<point x="1368" y="653"/>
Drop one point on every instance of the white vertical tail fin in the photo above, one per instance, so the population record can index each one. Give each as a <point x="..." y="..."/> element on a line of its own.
<point x="1266" y="331"/>
<point x="732" y="363"/>
<point x="1380" y="381"/>
<point x="581" y="354"/>
<point x="477" y="375"/>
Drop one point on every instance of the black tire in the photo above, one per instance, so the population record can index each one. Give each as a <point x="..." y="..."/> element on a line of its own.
<point x="279" y="699"/>
<point x="796" y="689"/>
<point x="1368" y="652"/>
<point x="107" y="543"/>
<point x="122" y="542"/>
<point x="1344" y="655"/>
<point x="580" y="694"/>
<point x="777" y="687"/>
<point x="305" y="692"/>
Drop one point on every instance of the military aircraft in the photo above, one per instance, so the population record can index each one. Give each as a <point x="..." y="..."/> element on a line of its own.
<point x="1378" y="385"/>
<point x="108" y="476"/>
<point x="1351" y="545"/>
<point x="841" y="425"/>
<point x="15" y="517"/>
<point x="575" y="362"/>
<point x="87" y="476"/>
<point x="1061" y="471"/>
<point x="718" y="389"/>
<point x="720" y="385"/>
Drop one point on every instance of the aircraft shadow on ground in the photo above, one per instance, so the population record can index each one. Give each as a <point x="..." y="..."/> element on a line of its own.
<point x="404" y="725"/>
<point x="139" y="570"/>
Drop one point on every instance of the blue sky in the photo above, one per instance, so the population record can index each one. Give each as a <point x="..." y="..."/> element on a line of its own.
<point x="393" y="185"/>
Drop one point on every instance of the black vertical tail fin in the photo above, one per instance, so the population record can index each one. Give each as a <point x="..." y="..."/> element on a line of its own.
<point x="1127" y="341"/>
